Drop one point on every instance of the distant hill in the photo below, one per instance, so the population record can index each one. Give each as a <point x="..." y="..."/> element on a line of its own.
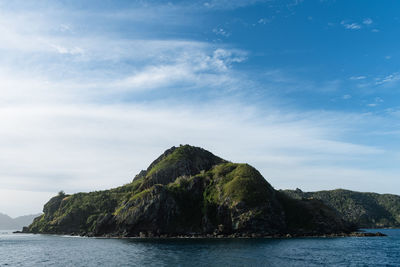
<point x="189" y="191"/>
<point x="8" y="223"/>
<point x="367" y="210"/>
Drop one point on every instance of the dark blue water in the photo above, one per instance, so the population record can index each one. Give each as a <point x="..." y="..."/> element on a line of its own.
<point x="44" y="250"/>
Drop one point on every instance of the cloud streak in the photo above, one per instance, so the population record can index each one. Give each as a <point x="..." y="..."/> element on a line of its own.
<point x="350" y="26"/>
<point x="389" y="79"/>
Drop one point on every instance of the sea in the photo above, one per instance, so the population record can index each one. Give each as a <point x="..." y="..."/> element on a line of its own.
<point x="53" y="250"/>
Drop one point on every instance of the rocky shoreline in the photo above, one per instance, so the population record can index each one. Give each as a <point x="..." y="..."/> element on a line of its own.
<point x="218" y="236"/>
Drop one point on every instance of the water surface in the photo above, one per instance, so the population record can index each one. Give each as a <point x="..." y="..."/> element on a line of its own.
<point x="49" y="250"/>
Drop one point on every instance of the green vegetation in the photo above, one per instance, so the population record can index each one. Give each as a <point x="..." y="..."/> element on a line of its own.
<point x="178" y="161"/>
<point x="236" y="182"/>
<point x="246" y="184"/>
<point x="170" y="160"/>
<point x="367" y="210"/>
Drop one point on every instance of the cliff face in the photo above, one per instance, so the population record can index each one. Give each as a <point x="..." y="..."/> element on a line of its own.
<point x="367" y="210"/>
<point x="188" y="191"/>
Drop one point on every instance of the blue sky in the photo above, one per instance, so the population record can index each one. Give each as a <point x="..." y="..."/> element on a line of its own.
<point x="92" y="92"/>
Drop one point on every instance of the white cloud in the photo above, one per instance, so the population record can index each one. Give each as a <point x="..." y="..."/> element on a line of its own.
<point x="156" y="77"/>
<point x="290" y="82"/>
<point x="70" y="51"/>
<point x="355" y="25"/>
<point x="346" y="97"/>
<point x="351" y="26"/>
<point x="389" y="79"/>
<point x="367" y="21"/>
<point x="377" y="101"/>
<point x="221" y="32"/>
<point x="199" y="70"/>
<point x="357" y="78"/>
<point x="263" y="21"/>
<point x="65" y="28"/>
<point x="230" y="4"/>
<point x="222" y="58"/>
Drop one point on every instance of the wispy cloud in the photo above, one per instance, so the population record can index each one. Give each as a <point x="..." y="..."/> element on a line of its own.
<point x="350" y="26"/>
<point x="347" y="96"/>
<point x="70" y="51"/>
<point x="357" y="26"/>
<point x="356" y="78"/>
<point x="221" y="32"/>
<point x="263" y="21"/>
<point x="389" y="79"/>
<point x="229" y="4"/>
<point x="287" y="81"/>
<point x="199" y="70"/>
<point x="376" y="102"/>
<point x="368" y="21"/>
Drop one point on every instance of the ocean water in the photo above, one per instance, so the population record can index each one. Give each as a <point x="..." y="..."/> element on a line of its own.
<point x="49" y="250"/>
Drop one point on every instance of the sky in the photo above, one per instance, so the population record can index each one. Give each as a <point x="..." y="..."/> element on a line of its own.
<point x="91" y="92"/>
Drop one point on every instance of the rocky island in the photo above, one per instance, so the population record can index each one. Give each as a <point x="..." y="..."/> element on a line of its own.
<point x="190" y="192"/>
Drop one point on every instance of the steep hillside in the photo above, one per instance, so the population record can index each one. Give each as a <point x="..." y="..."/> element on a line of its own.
<point x="8" y="223"/>
<point x="188" y="191"/>
<point x="367" y="210"/>
<point x="24" y="220"/>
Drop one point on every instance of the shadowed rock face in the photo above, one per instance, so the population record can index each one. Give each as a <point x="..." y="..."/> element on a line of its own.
<point x="189" y="191"/>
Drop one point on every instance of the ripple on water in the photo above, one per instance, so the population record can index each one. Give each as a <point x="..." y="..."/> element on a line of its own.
<point x="46" y="250"/>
